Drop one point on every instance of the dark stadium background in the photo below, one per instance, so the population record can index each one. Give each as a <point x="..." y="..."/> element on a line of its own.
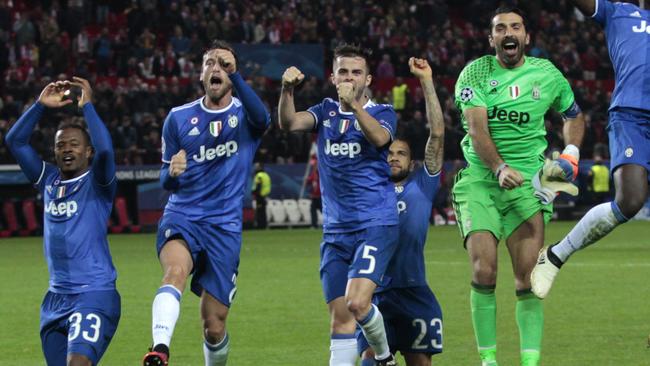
<point x="143" y="57"/>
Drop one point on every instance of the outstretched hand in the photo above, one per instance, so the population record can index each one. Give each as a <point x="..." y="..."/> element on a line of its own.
<point x="52" y="95"/>
<point x="420" y="68"/>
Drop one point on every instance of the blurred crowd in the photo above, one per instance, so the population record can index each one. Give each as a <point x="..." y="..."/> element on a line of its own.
<point x="143" y="57"/>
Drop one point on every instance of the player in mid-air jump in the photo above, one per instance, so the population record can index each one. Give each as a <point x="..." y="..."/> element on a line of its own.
<point x="503" y="100"/>
<point x="627" y="29"/>
<point x="359" y="203"/>
<point x="412" y="314"/>
<point x="208" y="150"/>
<point x="81" y="309"/>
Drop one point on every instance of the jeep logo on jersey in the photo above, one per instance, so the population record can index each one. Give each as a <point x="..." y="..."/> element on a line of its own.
<point x="343" y="125"/>
<point x="351" y="149"/>
<point x="215" y="128"/>
<point x="401" y="207"/>
<point x="512" y="116"/>
<point x="227" y="149"/>
<point x="643" y="27"/>
<point x="61" y="209"/>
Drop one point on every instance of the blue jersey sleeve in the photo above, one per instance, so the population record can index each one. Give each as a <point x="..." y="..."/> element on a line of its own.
<point x="257" y="114"/>
<point x="604" y="11"/>
<point x="170" y="141"/>
<point x="170" y="146"/>
<point x="317" y="112"/>
<point x="427" y="183"/>
<point x="104" y="160"/>
<point x="18" y="142"/>
<point x="387" y="119"/>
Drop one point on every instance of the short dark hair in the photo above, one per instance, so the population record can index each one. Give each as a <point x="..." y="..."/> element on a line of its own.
<point x="353" y="50"/>
<point x="76" y="125"/>
<point x="222" y="45"/>
<point x="509" y="9"/>
<point x="401" y="135"/>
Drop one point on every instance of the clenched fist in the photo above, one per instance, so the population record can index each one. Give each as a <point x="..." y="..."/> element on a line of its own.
<point x="292" y="77"/>
<point x="346" y="91"/>
<point x="420" y="68"/>
<point x="178" y="164"/>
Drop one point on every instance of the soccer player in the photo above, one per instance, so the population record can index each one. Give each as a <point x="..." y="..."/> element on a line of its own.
<point x="81" y="309"/>
<point x="412" y="315"/>
<point x="503" y="100"/>
<point x="627" y="29"/>
<point x="208" y="150"/>
<point x="359" y="202"/>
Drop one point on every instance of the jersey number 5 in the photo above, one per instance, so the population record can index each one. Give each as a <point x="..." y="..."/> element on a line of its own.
<point x="371" y="259"/>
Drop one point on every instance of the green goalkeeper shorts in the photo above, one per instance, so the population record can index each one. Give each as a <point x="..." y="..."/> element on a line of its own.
<point x="481" y="205"/>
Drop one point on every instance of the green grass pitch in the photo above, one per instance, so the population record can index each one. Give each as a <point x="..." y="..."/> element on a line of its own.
<point x="597" y="314"/>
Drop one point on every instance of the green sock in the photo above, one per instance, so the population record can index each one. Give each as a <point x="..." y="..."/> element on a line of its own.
<point x="484" y="319"/>
<point x="530" y="320"/>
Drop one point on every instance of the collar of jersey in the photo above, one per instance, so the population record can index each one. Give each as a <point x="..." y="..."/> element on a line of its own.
<point x="76" y="179"/>
<point x="232" y="101"/>
<point x="368" y="104"/>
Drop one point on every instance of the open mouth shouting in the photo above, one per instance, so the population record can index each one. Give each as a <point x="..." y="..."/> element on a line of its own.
<point x="510" y="47"/>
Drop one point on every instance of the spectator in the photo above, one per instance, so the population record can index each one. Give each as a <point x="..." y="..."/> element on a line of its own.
<point x="261" y="191"/>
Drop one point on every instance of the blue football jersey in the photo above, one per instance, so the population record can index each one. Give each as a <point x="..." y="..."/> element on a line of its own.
<point x="220" y="147"/>
<point x="627" y="28"/>
<point x="414" y="203"/>
<point x="75" y="226"/>
<point x="354" y="174"/>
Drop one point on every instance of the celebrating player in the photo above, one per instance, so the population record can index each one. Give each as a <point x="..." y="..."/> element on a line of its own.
<point x="412" y="315"/>
<point x="359" y="202"/>
<point x="626" y="28"/>
<point x="81" y="309"/>
<point x="503" y="100"/>
<point x="208" y="149"/>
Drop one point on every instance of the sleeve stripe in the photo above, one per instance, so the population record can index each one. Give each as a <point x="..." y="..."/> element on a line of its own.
<point x="109" y="183"/>
<point x="166" y="161"/>
<point x="389" y="132"/>
<point x="595" y="8"/>
<point x="41" y="176"/>
<point x="429" y="174"/>
<point x="315" y="117"/>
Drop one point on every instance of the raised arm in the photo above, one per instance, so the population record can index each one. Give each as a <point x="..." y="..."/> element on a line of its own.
<point x="289" y="119"/>
<point x="587" y="7"/>
<point x="18" y="136"/>
<point x="258" y="116"/>
<point x="484" y="146"/>
<point x="104" y="159"/>
<point x="433" y="152"/>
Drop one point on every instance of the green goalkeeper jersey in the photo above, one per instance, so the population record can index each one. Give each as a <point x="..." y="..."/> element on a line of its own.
<point x="516" y="101"/>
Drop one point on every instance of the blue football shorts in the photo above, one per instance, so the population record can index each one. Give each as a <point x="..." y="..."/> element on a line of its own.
<point x="82" y="323"/>
<point x="629" y="139"/>
<point x="412" y="319"/>
<point x="363" y="253"/>
<point x="215" y="253"/>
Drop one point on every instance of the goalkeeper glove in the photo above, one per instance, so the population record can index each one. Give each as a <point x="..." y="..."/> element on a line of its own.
<point x="565" y="165"/>
<point x="547" y="186"/>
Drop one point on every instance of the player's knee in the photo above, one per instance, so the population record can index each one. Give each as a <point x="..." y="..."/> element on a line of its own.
<point x="631" y="204"/>
<point x="358" y="306"/>
<point x="485" y="273"/>
<point x="78" y="360"/>
<point x="214" y="329"/>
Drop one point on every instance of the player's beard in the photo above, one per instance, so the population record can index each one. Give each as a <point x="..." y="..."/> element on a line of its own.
<point x="216" y="96"/>
<point x="399" y="176"/>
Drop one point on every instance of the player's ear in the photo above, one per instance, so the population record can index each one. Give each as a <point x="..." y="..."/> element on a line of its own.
<point x="368" y="80"/>
<point x="332" y="78"/>
<point x="491" y="40"/>
<point x="527" y="38"/>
